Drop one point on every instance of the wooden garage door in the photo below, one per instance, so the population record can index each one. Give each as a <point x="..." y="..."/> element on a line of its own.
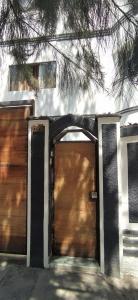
<point x="13" y="179"/>
<point x="74" y="228"/>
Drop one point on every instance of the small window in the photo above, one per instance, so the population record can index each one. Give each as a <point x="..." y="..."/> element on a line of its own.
<point x="47" y="75"/>
<point x="33" y="76"/>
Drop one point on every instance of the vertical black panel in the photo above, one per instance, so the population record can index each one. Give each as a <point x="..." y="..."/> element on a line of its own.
<point x="110" y="199"/>
<point x="37" y="197"/>
<point x="132" y="150"/>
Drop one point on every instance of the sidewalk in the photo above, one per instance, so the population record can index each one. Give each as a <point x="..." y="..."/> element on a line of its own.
<point x="21" y="283"/>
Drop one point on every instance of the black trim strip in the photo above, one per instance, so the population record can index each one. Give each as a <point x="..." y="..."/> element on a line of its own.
<point x="110" y="198"/>
<point x="37" y="197"/>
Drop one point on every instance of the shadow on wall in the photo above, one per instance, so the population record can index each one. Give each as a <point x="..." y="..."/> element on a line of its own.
<point x="48" y="101"/>
<point x="73" y="100"/>
<point x="128" y="98"/>
<point x="54" y="102"/>
<point x="51" y="102"/>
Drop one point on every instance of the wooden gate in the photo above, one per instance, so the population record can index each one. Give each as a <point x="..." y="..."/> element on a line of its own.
<point x="74" y="226"/>
<point x="13" y="179"/>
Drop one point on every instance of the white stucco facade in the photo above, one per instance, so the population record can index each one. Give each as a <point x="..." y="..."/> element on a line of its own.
<point x="60" y="102"/>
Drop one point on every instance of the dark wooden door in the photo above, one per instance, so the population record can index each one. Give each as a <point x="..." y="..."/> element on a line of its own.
<point x="13" y="179"/>
<point x="74" y="228"/>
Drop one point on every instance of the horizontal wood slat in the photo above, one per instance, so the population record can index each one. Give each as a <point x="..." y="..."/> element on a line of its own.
<point x="10" y="158"/>
<point x="15" y="113"/>
<point x="9" y="226"/>
<point x="74" y="227"/>
<point x="16" y="244"/>
<point x="14" y="193"/>
<point x="16" y="210"/>
<point x="76" y="236"/>
<point x="77" y="207"/>
<point x="7" y="125"/>
<point x="13" y="178"/>
<point x="82" y="248"/>
<point x="13" y="142"/>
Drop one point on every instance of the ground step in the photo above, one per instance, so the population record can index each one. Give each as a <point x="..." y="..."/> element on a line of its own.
<point x="130" y="233"/>
<point x="130" y="243"/>
<point x="133" y="251"/>
<point x="86" y="265"/>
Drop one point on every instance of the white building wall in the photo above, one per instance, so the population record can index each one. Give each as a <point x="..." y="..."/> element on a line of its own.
<point x="75" y="101"/>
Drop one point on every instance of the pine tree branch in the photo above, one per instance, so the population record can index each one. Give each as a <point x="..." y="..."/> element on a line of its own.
<point x="56" y="49"/>
<point x="119" y="22"/>
<point x="65" y="56"/>
<point x="124" y="13"/>
<point x="11" y="5"/>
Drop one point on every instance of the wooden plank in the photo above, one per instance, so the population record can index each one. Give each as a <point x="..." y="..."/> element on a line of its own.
<point x="13" y="124"/>
<point x="16" y="134"/>
<point x="12" y="192"/>
<point x="86" y="204"/>
<point x="15" y="210"/>
<point x="76" y="216"/>
<point x="79" y="220"/>
<point x="13" y="142"/>
<point x="21" y="181"/>
<point x="13" y="176"/>
<point x="74" y="234"/>
<point x="14" y="158"/>
<point x="15" y="245"/>
<point x="77" y="239"/>
<point x="12" y="200"/>
<point x="82" y="248"/>
<point x="9" y="227"/>
<point x="15" y="113"/>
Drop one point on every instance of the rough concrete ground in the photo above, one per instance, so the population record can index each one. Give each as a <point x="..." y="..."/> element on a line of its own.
<point x="20" y="283"/>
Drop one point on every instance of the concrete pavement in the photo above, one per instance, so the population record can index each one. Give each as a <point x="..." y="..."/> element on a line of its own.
<point x="20" y="283"/>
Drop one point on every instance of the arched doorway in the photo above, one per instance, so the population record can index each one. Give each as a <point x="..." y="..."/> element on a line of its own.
<point x="74" y="225"/>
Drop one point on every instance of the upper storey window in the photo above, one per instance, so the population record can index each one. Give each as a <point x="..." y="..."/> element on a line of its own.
<point x="33" y="76"/>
